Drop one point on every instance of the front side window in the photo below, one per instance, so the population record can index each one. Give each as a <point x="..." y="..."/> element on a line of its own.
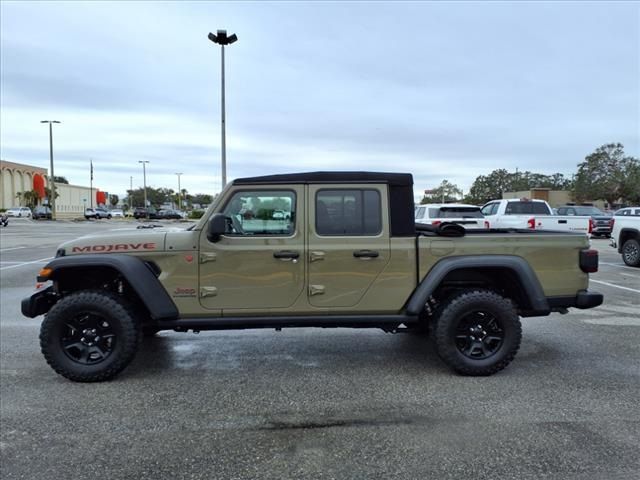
<point x="261" y="212"/>
<point x="489" y="209"/>
<point x="348" y="212"/>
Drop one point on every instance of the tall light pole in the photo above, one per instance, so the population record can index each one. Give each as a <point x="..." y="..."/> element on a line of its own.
<point x="52" y="183"/>
<point x="222" y="39"/>
<point x="179" y="192"/>
<point x="144" y="182"/>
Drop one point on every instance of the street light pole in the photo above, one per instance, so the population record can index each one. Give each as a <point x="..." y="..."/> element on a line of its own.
<point x="222" y="39"/>
<point x="52" y="183"/>
<point x="179" y="192"/>
<point x="144" y="183"/>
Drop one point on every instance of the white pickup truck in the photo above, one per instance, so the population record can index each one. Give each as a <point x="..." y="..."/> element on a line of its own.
<point x="626" y="237"/>
<point x="534" y="214"/>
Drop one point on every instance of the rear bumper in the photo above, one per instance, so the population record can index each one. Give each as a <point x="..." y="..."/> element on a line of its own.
<point x="583" y="300"/>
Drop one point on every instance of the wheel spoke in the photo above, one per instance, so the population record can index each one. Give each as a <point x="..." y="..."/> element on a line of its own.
<point x="84" y="356"/>
<point x="98" y="350"/>
<point x="78" y="345"/>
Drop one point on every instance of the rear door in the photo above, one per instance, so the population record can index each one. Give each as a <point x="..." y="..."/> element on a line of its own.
<point x="349" y="243"/>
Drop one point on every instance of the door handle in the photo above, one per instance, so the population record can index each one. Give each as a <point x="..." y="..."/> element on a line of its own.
<point x="562" y="221"/>
<point x="286" y="255"/>
<point x="366" y="254"/>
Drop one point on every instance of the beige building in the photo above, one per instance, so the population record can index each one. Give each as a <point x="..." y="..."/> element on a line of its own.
<point x="555" y="198"/>
<point x="18" y="177"/>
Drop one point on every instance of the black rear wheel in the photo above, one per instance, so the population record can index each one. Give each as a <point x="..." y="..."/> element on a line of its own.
<point x="89" y="336"/>
<point x="477" y="332"/>
<point x="631" y="252"/>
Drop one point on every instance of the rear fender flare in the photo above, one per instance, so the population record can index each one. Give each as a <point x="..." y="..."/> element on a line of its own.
<point x="529" y="282"/>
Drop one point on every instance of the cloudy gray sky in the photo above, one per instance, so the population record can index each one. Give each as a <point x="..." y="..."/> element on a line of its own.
<point x="442" y="90"/>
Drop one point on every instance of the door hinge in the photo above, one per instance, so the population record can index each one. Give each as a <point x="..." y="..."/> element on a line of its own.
<point x="316" y="289"/>
<point x="208" y="257"/>
<point x="208" y="292"/>
<point x="315" y="256"/>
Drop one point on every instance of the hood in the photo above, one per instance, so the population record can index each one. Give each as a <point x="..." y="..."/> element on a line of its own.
<point x="127" y="240"/>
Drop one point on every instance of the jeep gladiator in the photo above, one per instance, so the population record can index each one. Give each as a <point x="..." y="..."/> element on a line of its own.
<point x="346" y="253"/>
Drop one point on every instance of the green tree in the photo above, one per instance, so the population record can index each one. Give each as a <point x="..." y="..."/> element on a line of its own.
<point x="29" y="198"/>
<point x="607" y="174"/>
<point x="202" y="198"/>
<point x="445" y="192"/>
<point x="114" y="199"/>
<point x="60" y="179"/>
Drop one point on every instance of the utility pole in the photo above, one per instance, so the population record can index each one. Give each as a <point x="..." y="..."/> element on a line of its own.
<point x="52" y="183"/>
<point x="144" y="182"/>
<point x="179" y="192"/>
<point x="222" y="39"/>
<point x="91" y="183"/>
<point x="131" y="192"/>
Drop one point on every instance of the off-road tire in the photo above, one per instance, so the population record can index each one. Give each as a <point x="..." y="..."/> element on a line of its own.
<point x="114" y="311"/>
<point x="459" y="314"/>
<point x="631" y="252"/>
<point x="149" y="331"/>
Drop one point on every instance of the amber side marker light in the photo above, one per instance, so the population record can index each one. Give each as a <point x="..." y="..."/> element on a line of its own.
<point x="43" y="275"/>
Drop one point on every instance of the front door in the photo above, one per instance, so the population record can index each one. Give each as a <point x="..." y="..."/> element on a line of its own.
<point x="259" y="263"/>
<point x="348" y="242"/>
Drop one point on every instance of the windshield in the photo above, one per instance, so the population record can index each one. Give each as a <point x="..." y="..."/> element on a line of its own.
<point x="588" y="211"/>
<point x="459" y="212"/>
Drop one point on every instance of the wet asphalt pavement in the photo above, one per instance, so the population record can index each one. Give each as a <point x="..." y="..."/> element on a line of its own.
<point x="316" y="404"/>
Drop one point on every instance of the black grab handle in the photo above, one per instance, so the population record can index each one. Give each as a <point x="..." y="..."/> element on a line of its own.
<point x="366" y="254"/>
<point x="286" y="254"/>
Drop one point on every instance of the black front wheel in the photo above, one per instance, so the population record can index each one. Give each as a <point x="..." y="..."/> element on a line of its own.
<point x="477" y="332"/>
<point x="89" y="336"/>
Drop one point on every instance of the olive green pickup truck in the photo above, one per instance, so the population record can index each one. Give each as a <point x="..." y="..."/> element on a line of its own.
<point x="321" y="249"/>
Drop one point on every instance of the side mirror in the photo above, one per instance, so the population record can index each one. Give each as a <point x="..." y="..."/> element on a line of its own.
<point x="217" y="226"/>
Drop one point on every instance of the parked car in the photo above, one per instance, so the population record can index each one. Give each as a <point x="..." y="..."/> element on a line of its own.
<point x="469" y="216"/>
<point x="369" y="265"/>
<point x="600" y="223"/>
<point x="40" y="213"/>
<point x="96" y="213"/>
<point x="628" y="212"/>
<point x="169" y="215"/>
<point x="280" y="215"/>
<point x="19" y="212"/>
<point x="626" y="238"/>
<point x="141" y="212"/>
<point x="117" y="213"/>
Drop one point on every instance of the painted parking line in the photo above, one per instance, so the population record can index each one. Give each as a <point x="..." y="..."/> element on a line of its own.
<point x="27" y="263"/>
<point x="614" y="286"/>
<point x="620" y="266"/>
<point x="12" y="248"/>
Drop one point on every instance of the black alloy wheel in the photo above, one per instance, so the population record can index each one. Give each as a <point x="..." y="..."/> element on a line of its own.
<point x="90" y="336"/>
<point x="479" y="335"/>
<point x="88" y="339"/>
<point x="477" y="332"/>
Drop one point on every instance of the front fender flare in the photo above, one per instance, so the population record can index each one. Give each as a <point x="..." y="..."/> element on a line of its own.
<point x="135" y="271"/>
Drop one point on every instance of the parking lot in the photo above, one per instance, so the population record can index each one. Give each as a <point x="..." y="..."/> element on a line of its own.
<point x="313" y="403"/>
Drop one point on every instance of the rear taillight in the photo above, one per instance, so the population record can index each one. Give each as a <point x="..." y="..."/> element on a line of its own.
<point x="531" y="223"/>
<point x="589" y="261"/>
<point x="487" y="224"/>
<point x="611" y="222"/>
<point x="436" y="222"/>
<point x="592" y="224"/>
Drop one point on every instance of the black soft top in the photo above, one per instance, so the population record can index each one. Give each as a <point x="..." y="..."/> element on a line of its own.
<point x="400" y="191"/>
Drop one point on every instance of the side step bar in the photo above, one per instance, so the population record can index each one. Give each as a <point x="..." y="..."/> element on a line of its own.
<point x="323" y="321"/>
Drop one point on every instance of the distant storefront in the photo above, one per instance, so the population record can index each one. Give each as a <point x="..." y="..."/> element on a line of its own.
<point x="17" y="178"/>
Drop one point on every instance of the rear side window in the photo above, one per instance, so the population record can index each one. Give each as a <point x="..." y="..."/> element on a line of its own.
<point x="348" y="212"/>
<point x="460" y="212"/>
<point x="490" y="209"/>
<point x="526" y="208"/>
<point x="420" y="212"/>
